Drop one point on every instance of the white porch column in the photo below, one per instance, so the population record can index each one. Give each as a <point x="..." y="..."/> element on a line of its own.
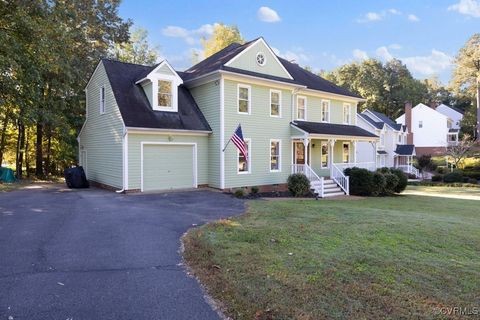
<point x="331" y="144"/>
<point x="375" y="154"/>
<point x="355" y="153"/>
<point x="306" y="154"/>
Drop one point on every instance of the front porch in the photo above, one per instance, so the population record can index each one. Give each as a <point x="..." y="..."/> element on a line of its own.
<point x="322" y="151"/>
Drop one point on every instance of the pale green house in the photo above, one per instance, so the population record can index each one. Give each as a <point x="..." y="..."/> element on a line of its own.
<point x="154" y="128"/>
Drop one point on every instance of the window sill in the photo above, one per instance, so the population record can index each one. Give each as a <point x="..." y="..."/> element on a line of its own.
<point x="245" y="113"/>
<point x="272" y="116"/>
<point x="168" y="109"/>
<point x="275" y="171"/>
<point x="243" y="172"/>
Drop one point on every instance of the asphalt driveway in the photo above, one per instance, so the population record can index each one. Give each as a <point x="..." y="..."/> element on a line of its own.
<point x="93" y="254"/>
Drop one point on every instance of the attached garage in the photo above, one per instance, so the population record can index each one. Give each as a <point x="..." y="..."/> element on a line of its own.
<point x="167" y="166"/>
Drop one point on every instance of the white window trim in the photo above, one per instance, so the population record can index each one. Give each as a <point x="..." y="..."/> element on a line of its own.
<point x="324" y="143"/>
<point x="279" y="155"/>
<point x="349" y="108"/>
<point x="249" y="154"/>
<point x="249" y="88"/>
<point x="321" y="110"/>
<point x="305" y="108"/>
<point x="349" y="151"/>
<point x="279" y="103"/>
<point x="420" y="124"/>
<point x="175" y="84"/>
<point x="103" y="101"/>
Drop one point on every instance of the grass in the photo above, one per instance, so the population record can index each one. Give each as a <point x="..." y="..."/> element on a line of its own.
<point x="402" y="257"/>
<point x="446" y="190"/>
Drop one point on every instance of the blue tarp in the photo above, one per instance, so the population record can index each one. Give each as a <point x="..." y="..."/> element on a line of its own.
<point x="6" y="175"/>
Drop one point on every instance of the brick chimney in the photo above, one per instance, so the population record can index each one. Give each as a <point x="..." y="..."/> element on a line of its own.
<point x="408" y="121"/>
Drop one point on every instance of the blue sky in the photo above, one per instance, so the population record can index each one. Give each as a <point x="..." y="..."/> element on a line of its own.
<point x="424" y="34"/>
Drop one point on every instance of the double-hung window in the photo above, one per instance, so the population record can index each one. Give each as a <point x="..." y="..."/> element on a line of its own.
<point x="164" y="97"/>
<point x="244" y="97"/>
<point x="346" y="113"/>
<point x="420" y="124"/>
<point x="245" y="166"/>
<point x="325" y="111"/>
<point x="324" y="154"/>
<point x="275" y="156"/>
<point x="275" y="103"/>
<point x="301" y="108"/>
<point x="102" y="100"/>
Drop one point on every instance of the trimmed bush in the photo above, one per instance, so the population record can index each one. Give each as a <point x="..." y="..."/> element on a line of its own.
<point x="472" y="181"/>
<point x="361" y="181"/>
<point x="402" y="180"/>
<point x="455" y="176"/>
<point x="379" y="183"/>
<point x="254" y="190"/>
<point x="441" y="170"/>
<point x="239" y="193"/>
<point x="474" y="174"/>
<point x="298" y="185"/>
<point x="437" y="178"/>
<point x="391" y="183"/>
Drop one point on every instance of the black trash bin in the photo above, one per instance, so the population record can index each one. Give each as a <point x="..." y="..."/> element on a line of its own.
<point x="76" y="178"/>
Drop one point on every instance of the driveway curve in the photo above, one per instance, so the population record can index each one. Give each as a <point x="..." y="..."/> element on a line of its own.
<point x="93" y="254"/>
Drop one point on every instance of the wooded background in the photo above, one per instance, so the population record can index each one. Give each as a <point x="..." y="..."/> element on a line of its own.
<point x="48" y="50"/>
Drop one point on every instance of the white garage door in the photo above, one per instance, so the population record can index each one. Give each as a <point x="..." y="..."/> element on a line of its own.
<point x="168" y="166"/>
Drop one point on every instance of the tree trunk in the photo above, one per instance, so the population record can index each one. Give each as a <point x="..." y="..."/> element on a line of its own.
<point x="478" y="109"/>
<point x="49" y="148"/>
<point x="4" y="137"/>
<point x="39" y="151"/>
<point x="27" y="158"/>
<point x="20" y="150"/>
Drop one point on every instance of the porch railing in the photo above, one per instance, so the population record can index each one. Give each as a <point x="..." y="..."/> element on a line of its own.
<point x="340" y="178"/>
<point x="371" y="166"/>
<point x="409" y="169"/>
<point x="306" y="170"/>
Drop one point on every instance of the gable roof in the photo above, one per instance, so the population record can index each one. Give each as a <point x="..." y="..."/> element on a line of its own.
<point x="332" y="129"/>
<point x="453" y="108"/>
<point x="135" y="107"/>
<point x="376" y="124"/>
<point x="301" y="77"/>
<point x="383" y="118"/>
<point x="405" y="149"/>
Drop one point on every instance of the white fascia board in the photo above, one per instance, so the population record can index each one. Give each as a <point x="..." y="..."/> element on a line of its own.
<point x="152" y="74"/>
<point x="94" y="71"/>
<point x="140" y="130"/>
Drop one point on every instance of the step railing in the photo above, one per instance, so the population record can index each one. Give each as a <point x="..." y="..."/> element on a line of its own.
<point x="340" y="178"/>
<point x="409" y="169"/>
<point x="310" y="174"/>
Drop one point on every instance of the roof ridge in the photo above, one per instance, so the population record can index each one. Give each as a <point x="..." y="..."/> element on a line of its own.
<point x="131" y="63"/>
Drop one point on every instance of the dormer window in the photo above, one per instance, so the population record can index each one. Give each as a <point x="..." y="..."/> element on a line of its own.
<point x="165" y="94"/>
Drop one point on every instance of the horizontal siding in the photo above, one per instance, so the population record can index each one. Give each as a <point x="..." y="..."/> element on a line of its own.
<point x="207" y="97"/>
<point x="102" y="134"/>
<point x="134" y="154"/>
<point x="336" y="110"/>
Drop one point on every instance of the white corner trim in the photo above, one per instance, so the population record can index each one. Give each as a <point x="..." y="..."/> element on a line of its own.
<point x="195" y="165"/>
<point x="91" y="76"/>
<point x="125" y="170"/>
<point x="222" y="133"/>
<point x="269" y="50"/>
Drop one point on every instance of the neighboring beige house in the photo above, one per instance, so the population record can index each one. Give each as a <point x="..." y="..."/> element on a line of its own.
<point x="155" y="128"/>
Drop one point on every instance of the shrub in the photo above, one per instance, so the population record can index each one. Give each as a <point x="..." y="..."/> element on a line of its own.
<point x="254" y="189"/>
<point x="441" y="170"/>
<point x="475" y="174"/>
<point x="239" y="193"/>
<point x="379" y="183"/>
<point x="424" y="162"/>
<point x="472" y="181"/>
<point x="298" y="185"/>
<point x="391" y="184"/>
<point x="402" y="180"/>
<point x="361" y="181"/>
<point x="437" y="178"/>
<point x="455" y="176"/>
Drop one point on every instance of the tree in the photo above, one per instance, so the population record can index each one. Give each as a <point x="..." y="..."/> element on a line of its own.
<point x="221" y="37"/>
<point x="459" y="151"/>
<point x="136" y="50"/>
<point x="466" y="74"/>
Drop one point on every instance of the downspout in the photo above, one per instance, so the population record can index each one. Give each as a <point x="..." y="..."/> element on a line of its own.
<point x="123" y="161"/>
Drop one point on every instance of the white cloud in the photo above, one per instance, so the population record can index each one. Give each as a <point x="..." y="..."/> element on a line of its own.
<point x="297" y="54"/>
<point x="413" y="18"/>
<point x="191" y="37"/>
<point x="359" y="55"/>
<point x="267" y="14"/>
<point x="395" y="46"/>
<point x="370" y="17"/>
<point x="434" y="63"/>
<point x="467" y="7"/>
<point x="383" y="53"/>
<point x="394" y="11"/>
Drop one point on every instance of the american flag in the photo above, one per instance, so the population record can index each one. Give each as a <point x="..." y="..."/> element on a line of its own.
<point x="237" y="140"/>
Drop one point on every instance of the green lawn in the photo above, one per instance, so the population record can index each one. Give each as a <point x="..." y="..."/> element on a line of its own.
<point x="377" y="258"/>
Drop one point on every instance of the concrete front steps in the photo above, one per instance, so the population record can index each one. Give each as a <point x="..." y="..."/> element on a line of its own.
<point x="330" y="188"/>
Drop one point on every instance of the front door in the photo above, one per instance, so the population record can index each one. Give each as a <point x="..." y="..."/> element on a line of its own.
<point x="300" y="156"/>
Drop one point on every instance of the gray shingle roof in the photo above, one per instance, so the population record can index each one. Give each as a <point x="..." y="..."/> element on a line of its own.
<point x="135" y="107"/>
<point x="405" y="149"/>
<point x="332" y="129"/>
<point x="376" y="124"/>
<point x="387" y="120"/>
